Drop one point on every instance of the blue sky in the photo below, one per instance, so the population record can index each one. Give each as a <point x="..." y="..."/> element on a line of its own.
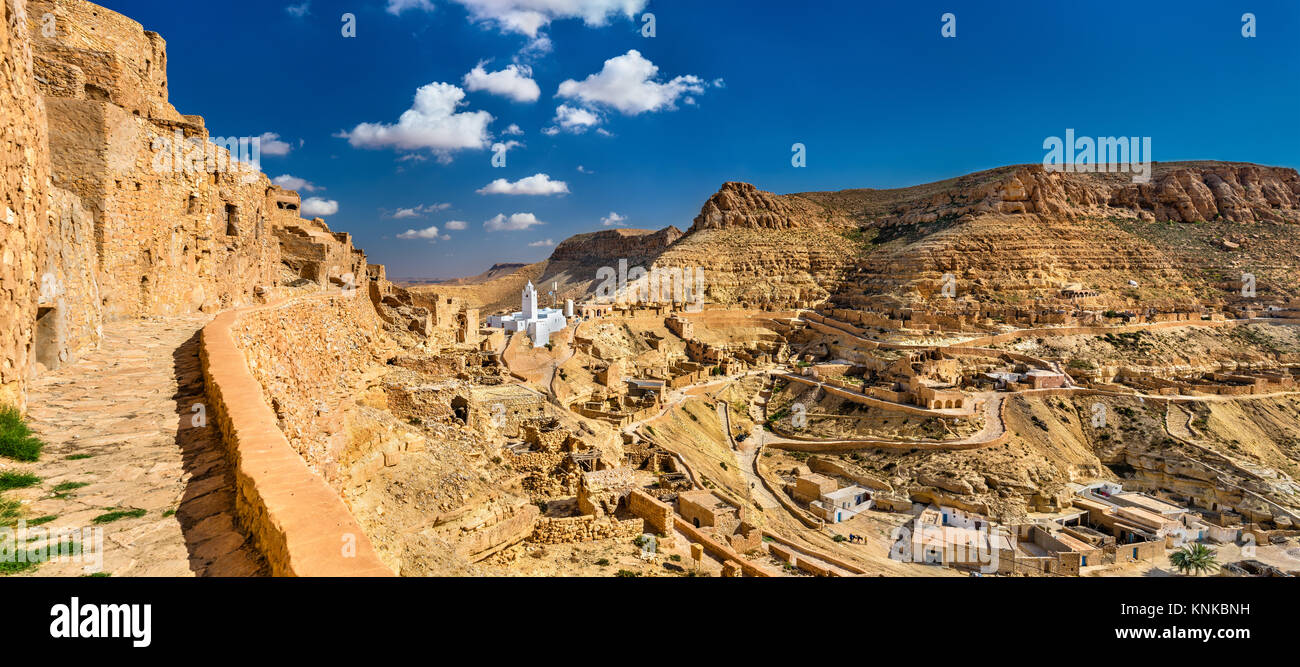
<point x="873" y="90"/>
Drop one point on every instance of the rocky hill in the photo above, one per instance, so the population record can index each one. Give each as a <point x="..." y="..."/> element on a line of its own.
<point x="573" y="266"/>
<point x="1015" y="234"/>
<point x="497" y="270"/>
<point x="1007" y="235"/>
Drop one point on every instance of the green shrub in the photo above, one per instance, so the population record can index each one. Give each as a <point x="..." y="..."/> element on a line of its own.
<point x="17" y="480"/>
<point x="16" y="440"/>
<point x="118" y="514"/>
<point x="62" y="489"/>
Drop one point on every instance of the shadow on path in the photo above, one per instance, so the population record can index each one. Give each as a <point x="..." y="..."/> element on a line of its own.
<point x="217" y="546"/>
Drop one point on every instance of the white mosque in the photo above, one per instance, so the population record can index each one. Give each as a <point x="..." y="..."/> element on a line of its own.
<point x="538" y="323"/>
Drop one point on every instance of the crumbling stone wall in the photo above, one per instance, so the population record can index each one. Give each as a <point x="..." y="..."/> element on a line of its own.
<point x="658" y="515"/>
<point x="69" y="315"/>
<point x="172" y="236"/>
<point x="313" y="356"/>
<point x="562" y="530"/>
<point x="544" y="475"/>
<point x="24" y="175"/>
<point x="314" y="252"/>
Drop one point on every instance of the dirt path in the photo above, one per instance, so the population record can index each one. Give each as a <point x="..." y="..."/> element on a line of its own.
<point x="746" y="454"/>
<point x="120" y="424"/>
<point x="1178" y="426"/>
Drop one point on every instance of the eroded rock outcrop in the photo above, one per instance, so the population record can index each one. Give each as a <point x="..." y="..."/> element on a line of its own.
<point x="613" y="244"/>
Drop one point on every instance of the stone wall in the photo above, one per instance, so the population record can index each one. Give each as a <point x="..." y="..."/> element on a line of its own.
<point x="563" y="530"/>
<point x="658" y="515"/>
<point x="295" y="519"/>
<point x="24" y="192"/>
<point x="70" y="312"/>
<point x="311" y="357"/>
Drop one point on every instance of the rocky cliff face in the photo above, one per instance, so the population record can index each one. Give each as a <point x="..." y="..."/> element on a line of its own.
<point x="765" y="250"/>
<point x="743" y="206"/>
<point x="1007" y="235"/>
<point x="1178" y="192"/>
<point x="573" y="266"/>
<point x="608" y="246"/>
<point x="1184" y="239"/>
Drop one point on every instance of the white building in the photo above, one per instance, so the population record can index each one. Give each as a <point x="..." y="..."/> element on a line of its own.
<point x="843" y="504"/>
<point x="538" y="323"/>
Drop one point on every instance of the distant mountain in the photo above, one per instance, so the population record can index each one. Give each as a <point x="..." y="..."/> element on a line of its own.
<point x="1007" y="236"/>
<point x="572" y="268"/>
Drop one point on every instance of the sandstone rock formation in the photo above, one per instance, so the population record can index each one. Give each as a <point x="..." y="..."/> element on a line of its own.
<point x="741" y="205"/>
<point x="1007" y="235"/>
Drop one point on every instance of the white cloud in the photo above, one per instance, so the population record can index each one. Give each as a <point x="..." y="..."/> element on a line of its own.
<point x="419" y="210"/>
<point x="535" y="48"/>
<point x="572" y="119"/>
<point x="613" y="220"/>
<point x="512" y="130"/>
<point x="528" y="16"/>
<point x="271" y="144"/>
<point x="299" y="11"/>
<point x="537" y="184"/>
<point x="628" y="83"/>
<point x="514" y="82"/>
<point x="457" y="225"/>
<point x="514" y="223"/>
<point x="541" y="244"/>
<point x="396" y="7"/>
<point x="428" y="233"/>
<point x="432" y="123"/>
<point x="316" y="207"/>
<point x="294" y="183"/>
<point x="584" y="170"/>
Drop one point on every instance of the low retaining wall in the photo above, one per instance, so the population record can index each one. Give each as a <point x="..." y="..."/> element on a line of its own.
<point x="1093" y="331"/>
<point x="719" y="550"/>
<point x="814" y="553"/>
<point x="834" y="446"/>
<point x="295" y="519"/>
<point x="863" y="399"/>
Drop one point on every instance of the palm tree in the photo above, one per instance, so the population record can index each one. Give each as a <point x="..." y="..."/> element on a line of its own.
<point x="1195" y="558"/>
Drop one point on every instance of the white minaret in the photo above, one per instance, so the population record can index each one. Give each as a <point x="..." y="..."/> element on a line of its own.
<point x="530" y="302"/>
